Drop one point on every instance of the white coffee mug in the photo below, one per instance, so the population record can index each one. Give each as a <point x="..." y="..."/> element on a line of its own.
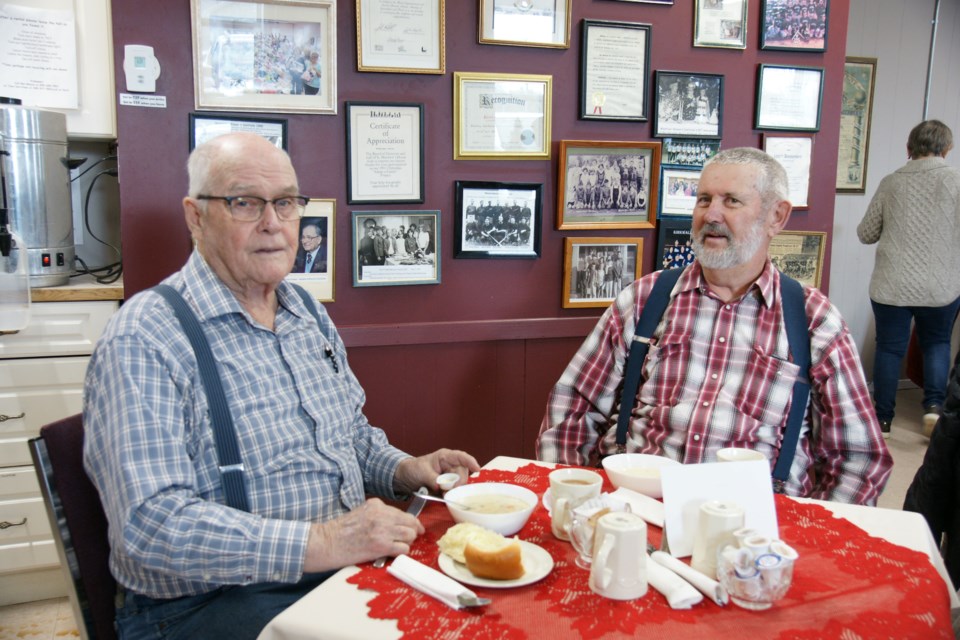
<point x="717" y="523"/>
<point x="619" y="569"/>
<point x="737" y="454"/>
<point x="569" y="488"/>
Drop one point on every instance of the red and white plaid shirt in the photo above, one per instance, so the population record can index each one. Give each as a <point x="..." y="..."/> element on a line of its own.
<point x="719" y="375"/>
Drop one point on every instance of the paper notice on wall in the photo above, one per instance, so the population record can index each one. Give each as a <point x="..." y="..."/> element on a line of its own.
<point x="38" y="56"/>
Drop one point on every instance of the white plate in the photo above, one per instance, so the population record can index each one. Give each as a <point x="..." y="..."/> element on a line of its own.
<point x="537" y="564"/>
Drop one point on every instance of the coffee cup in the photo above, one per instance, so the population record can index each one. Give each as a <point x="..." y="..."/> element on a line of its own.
<point x="717" y="524"/>
<point x="738" y="454"/>
<point x="569" y="489"/>
<point x="619" y="568"/>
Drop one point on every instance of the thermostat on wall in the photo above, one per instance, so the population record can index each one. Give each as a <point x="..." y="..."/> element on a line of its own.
<point x="141" y="68"/>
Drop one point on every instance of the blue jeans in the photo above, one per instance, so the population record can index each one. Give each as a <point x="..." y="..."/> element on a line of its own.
<point x="235" y="612"/>
<point x="934" y="328"/>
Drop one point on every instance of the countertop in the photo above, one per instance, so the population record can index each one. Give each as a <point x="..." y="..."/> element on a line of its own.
<point x="80" y="288"/>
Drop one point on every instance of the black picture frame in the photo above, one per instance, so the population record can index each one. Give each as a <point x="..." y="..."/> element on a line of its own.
<point x="390" y="133"/>
<point x="696" y="111"/>
<point x="508" y="226"/>
<point x="206" y="126"/>
<point x="789" y="98"/>
<point x="418" y="265"/>
<point x="602" y="75"/>
<point x="674" y="243"/>
<point x="785" y="28"/>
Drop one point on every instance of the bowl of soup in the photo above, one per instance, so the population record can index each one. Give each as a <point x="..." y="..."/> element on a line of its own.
<point x="638" y="472"/>
<point x="497" y="506"/>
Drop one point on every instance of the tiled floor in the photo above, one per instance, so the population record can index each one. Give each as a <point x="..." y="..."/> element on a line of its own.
<point x="52" y="619"/>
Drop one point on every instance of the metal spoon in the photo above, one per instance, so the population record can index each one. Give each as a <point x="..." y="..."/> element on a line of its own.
<point x="458" y="505"/>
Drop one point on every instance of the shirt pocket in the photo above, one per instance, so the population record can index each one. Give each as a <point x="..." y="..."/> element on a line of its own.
<point x="766" y="390"/>
<point x="665" y="372"/>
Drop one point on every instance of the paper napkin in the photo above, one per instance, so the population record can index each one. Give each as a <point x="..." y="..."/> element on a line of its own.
<point x="708" y="587"/>
<point x="428" y="581"/>
<point x="644" y="506"/>
<point x="678" y="592"/>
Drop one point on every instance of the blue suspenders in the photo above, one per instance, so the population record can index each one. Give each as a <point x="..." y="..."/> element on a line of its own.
<point x="224" y="433"/>
<point x="795" y="319"/>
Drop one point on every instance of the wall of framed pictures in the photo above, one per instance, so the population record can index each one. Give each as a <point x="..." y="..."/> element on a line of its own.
<point x="517" y="305"/>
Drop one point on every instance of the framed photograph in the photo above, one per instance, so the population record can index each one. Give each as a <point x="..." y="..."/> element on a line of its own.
<point x="674" y="243"/>
<point x="799" y="254"/>
<point x="720" y="23"/>
<point x="789" y="98"/>
<point x="595" y="270"/>
<point x="497" y="220"/>
<point x="614" y="66"/>
<point x="856" y="109"/>
<point x="688" y="105"/>
<point x="678" y="190"/>
<point x="688" y="152"/>
<point x="395" y="248"/>
<point x="313" y="267"/>
<point x="525" y="23"/>
<point x="794" y="152"/>
<point x="205" y="127"/>
<point x="608" y="185"/>
<point x="793" y="26"/>
<point x="504" y="115"/>
<point x="384" y="152"/>
<point x="277" y="56"/>
<point x="401" y="36"/>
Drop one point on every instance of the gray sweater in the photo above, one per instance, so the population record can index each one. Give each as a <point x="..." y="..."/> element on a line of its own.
<point x="915" y="218"/>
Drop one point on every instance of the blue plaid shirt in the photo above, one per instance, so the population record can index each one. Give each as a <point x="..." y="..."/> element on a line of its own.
<point x="310" y="454"/>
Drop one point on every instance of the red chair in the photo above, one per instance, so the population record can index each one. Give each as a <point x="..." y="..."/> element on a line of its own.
<point x="77" y="519"/>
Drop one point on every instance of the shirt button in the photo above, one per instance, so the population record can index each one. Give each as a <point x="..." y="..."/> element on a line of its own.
<point x="276" y="576"/>
<point x="714" y="376"/>
<point x="722" y="339"/>
<point x="696" y="438"/>
<point x="207" y="577"/>
<point x="727" y="307"/>
<point x="706" y="404"/>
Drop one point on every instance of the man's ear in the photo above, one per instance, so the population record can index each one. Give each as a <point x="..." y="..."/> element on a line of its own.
<point x="779" y="217"/>
<point x="191" y="213"/>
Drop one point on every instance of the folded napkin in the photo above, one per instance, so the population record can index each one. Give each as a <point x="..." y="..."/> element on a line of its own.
<point x="428" y="581"/>
<point x="708" y="587"/>
<point x="678" y="592"/>
<point x="644" y="506"/>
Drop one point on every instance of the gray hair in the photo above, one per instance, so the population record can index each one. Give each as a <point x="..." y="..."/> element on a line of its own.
<point x="771" y="179"/>
<point x="211" y="161"/>
<point x="929" y="138"/>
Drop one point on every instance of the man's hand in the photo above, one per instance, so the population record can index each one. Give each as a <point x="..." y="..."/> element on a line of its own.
<point x="414" y="473"/>
<point x="371" y="531"/>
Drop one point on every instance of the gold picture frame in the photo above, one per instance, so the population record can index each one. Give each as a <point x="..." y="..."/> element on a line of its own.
<point x="591" y="275"/>
<point x="799" y="254"/>
<point x="501" y="115"/>
<point x="402" y="36"/>
<point x="320" y="212"/>
<point x="525" y="23"/>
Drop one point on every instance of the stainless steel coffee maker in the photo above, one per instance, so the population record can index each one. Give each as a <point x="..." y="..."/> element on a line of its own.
<point x="33" y="149"/>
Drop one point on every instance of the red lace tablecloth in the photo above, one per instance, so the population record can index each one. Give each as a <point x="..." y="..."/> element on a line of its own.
<point x="846" y="584"/>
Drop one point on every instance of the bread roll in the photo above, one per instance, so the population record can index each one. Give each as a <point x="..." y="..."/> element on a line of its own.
<point x="494" y="559"/>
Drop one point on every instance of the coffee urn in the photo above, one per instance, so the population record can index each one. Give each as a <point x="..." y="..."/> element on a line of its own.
<point x="33" y="148"/>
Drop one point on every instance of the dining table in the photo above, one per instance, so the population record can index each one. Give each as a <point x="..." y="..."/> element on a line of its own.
<point x="862" y="572"/>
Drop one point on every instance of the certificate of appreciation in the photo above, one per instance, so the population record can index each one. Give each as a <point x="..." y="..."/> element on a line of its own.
<point x="386" y="152"/>
<point x="401" y="35"/>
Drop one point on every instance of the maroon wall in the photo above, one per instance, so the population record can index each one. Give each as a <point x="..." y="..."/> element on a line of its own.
<point x="502" y="334"/>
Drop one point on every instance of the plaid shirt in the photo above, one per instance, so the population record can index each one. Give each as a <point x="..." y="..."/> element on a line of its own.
<point x="308" y="451"/>
<point x="717" y="375"/>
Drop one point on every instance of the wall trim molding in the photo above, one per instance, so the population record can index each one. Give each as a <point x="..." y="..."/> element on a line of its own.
<point x="466" y="331"/>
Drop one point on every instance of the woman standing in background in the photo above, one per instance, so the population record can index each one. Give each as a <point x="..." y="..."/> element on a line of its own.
<point x="915" y="218"/>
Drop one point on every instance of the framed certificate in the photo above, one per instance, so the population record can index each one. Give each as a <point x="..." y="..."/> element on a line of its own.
<point x="497" y="220"/>
<point x="614" y="67"/>
<point x="318" y="238"/>
<point x="794" y="152"/>
<point x="856" y="108"/>
<point x="789" y="98"/>
<point x="525" y="23"/>
<point x="384" y="152"/>
<point x="499" y="116"/>
<point x="720" y="23"/>
<point x="401" y="36"/>
<point x="799" y="254"/>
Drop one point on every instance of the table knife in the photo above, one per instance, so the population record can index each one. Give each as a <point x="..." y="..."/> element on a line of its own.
<point x="416" y="506"/>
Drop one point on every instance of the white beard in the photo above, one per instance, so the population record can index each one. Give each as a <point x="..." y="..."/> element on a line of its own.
<point x="735" y="253"/>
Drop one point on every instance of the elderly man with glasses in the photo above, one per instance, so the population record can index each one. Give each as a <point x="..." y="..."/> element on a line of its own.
<point x="192" y="564"/>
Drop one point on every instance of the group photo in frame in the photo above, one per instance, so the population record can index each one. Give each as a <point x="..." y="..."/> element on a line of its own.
<point x="649" y="1"/>
<point x="401" y="36"/>
<point x="395" y="248"/>
<point x="206" y="126"/>
<point x="525" y="23"/>
<point x="799" y="254"/>
<point x="501" y="115"/>
<point x="688" y="105"/>
<point x="789" y="98"/>
<point x="384" y="152"/>
<point x="313" y="267"/>
<point x="497" y="219"/>
<point x="794" y="25"/>
<point x="608" y="185"/>
<point x="277" y="56"/>
<point x="678" y="190"/>
<point x="674" y="243"/>
<point x="688" y="152"/>
<point x="794" y="151"/>
<point x="595" y="270"/>
<point x="720" y="23"/>
<point x="856" y="109"/>
<point x="614" y="67"/>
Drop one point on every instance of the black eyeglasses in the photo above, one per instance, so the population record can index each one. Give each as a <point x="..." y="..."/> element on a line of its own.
<point x="250" y="208"/>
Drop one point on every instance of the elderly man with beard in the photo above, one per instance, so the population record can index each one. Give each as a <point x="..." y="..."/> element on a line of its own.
<point x="719" y="371"/>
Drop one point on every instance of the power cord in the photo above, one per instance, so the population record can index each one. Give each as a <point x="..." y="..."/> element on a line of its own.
<point x="108" y="273"/>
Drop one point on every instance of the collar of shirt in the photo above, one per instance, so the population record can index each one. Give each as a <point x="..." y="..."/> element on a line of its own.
<point x="763" y="287"/>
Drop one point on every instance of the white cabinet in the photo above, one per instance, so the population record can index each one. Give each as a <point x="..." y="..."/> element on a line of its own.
<point x="41" y="380"/>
